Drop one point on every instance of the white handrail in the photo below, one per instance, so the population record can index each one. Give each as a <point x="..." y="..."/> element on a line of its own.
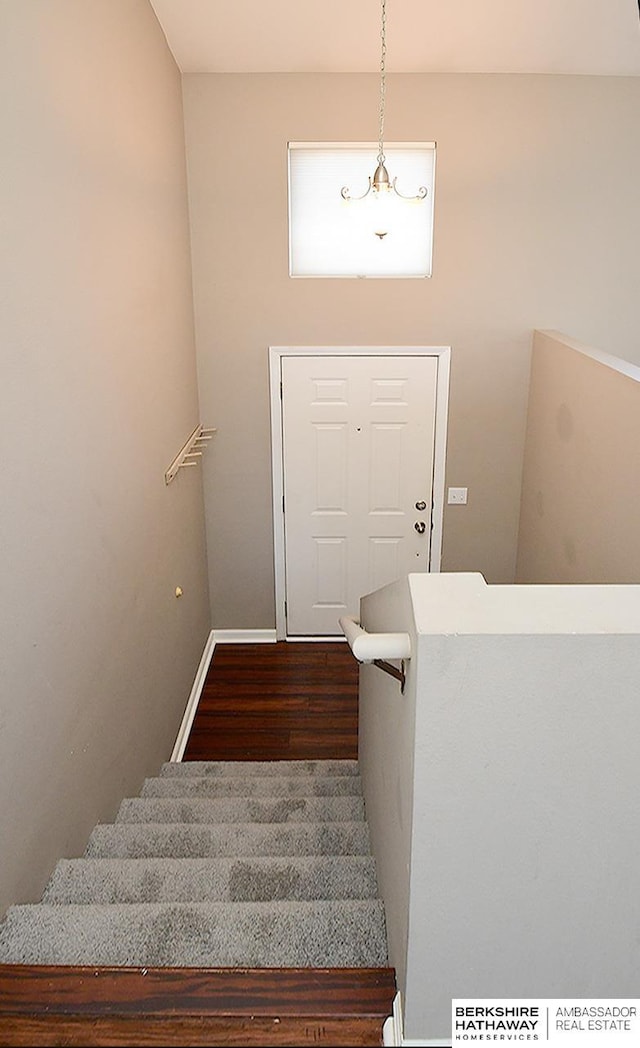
<point x="367" y="647"/>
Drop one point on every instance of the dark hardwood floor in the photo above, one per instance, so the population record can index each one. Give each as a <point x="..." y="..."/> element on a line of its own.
<point x="283" y="701"/>
<point x="188" y="1007"/>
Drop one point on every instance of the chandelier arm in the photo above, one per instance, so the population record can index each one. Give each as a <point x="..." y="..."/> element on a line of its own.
<point x="346" y="195"/>
<point x="420" y="195"/>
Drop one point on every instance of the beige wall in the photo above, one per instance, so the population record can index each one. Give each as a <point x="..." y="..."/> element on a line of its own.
<point x="98" y="393"/>
<point x="580" y="516"/>
<point x="536" y="225"/>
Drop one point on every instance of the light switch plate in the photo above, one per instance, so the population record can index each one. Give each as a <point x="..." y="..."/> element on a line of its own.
<point x="457" y="496"/>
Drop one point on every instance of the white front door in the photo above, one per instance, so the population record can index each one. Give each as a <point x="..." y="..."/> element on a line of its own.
<point x="358" y="460"/>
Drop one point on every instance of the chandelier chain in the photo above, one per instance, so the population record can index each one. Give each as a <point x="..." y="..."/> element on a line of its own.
<point x="383" y="79"/>
<point x="381" y="184"/>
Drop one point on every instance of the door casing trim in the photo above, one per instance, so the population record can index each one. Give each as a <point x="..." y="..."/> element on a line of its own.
<point x="276" y="354"/>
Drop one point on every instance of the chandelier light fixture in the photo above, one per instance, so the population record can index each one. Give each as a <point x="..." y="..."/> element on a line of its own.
<point x="381" y="186"/>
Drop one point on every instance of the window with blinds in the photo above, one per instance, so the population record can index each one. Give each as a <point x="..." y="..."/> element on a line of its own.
<point x="333" y="237"/>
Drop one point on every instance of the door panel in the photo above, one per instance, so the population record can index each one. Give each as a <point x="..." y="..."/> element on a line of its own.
<point x="384" y="561"/>
<point x="330" y="467"/>
<point x="358" y="436"/>
<point x="329" y="580"/>
<point x="385" y="467"/>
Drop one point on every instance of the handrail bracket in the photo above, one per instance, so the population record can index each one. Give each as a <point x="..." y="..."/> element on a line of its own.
<point x="393" y="671"/>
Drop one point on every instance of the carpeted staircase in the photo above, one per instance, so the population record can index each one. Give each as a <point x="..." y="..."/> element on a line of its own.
<point x="217" y="864"/>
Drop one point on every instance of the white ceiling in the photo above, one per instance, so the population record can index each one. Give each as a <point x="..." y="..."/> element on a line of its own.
<point x="599" y="37"/>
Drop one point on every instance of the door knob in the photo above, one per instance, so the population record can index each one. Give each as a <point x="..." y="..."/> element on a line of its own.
<point x="420" y="527"/>
<point x="421" y="505"/>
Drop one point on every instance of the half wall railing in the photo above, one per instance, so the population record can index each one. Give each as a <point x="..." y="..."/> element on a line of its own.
<point x="501" y="789"/>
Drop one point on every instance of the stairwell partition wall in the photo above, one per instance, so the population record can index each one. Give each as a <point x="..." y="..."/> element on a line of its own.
<point x="583" y="431"/>
<point x="501" y="789"/>
<point x="277" y="354"/>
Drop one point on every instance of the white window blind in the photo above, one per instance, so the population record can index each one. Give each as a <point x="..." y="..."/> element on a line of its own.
<point x="333" y="237"/>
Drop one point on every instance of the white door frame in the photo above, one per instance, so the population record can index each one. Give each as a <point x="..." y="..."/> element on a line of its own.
<point x="276" y="353"/>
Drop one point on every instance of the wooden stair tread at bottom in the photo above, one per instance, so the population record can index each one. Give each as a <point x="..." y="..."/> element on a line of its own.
<point x="74" y="1005"/>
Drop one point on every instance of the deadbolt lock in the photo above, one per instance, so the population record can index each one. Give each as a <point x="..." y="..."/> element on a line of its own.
<point x="421" y="505"/>
<point x="420" y="527"/>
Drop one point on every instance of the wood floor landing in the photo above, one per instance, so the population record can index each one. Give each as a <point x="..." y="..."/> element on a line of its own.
<point x="283" y="701"/>
<point x="169" y="1006"/>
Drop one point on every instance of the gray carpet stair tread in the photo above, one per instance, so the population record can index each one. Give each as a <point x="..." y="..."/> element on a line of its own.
<point x="252" y="786"/>
<point x="257" y="879"/>
<point x="253" y="934"/>
<point x="217" y="864"/>
<point x="137" y="840"/>
<point x="261" y="768"/>
<point x="241" y="809"/>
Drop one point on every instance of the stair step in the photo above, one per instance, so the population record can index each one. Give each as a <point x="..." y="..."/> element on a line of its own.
<point x="217" y="864"/>
<point x="176" y="840"/>
<point x="274" y="934"/>
<point x="241" y="809"/>
<point x="256" y="879"/>
<point x="252" y="786"/>
<point x="261" y="768"/>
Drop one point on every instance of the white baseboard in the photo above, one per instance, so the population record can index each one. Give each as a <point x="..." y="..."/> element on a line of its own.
<point x="244" y="636"/>
<point x="392" y="1032"/>
<point x="194" y="698"/>
<point x="392" y="1028"/>
<point x="315" y="640"/>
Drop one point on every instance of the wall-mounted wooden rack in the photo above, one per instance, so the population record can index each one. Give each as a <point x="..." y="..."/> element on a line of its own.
<point x="190" y="452"/>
